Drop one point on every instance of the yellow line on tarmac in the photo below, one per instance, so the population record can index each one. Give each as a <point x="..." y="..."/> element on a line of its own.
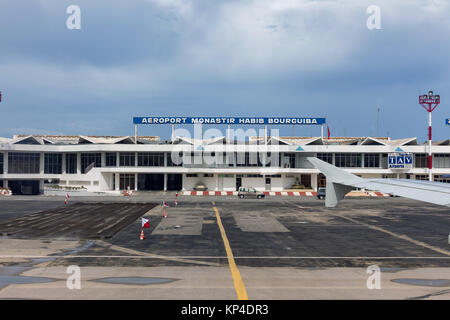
<point x="238" y="283"/>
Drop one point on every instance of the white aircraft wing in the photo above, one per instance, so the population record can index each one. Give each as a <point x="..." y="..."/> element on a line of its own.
<point x="339" y="182"/>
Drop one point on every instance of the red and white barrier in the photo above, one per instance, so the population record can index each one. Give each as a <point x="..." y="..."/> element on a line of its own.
<point x="235" y="193"/>
<point x="273" y="193"/>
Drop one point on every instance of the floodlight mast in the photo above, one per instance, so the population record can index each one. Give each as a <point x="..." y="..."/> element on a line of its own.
<point x="429" y="102"/>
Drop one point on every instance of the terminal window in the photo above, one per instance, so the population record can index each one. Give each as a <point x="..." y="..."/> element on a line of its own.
<point x="421" y="160"/>
<point x="290" y="160"/>
<point x="348" y="160"/>
<point x="327" y="157"/>
<point x="175" y="159"/>
<point x="23" y="162"/>
<point x="150" y="159"/>
<point x="1" y="163"/>
<point x="371" y="160"/>
<point x="53" y="163"/>
<point x="111" y="159"/>
<point x="71" y="163"/>
<point x="441" y="160"/>
<point x="127" y="181"/>
<point x="127" y="159"/>
<point x="90" y="160"/>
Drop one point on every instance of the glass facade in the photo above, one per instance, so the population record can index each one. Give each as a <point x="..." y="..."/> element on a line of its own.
<point x="71" y="163"/>
<point x="290" y="159"/>
<point x="348" y="160"/>
<point x="247" y="159"/>
<point x="421" y="160"/>
<point x="441" y="160"/>
<point x="305" y="179"/>
<point x="90" y="160"/>
<point x="127" y="159"/>
<point x="23" y="162"/>
<point x="327" y="157"/>
<point x="127" y="181"/>
<point x="1" y="163"/>
<point x="53" y="163"/>
<point x="150" y="159"/>
<point x="111" y="159"/>
<point x="177" y="160"/>
<point x="371" y="160"/>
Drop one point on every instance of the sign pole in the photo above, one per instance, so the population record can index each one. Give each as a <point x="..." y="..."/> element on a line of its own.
<point x="427" y="102"/>
<point x="135" y="134"/>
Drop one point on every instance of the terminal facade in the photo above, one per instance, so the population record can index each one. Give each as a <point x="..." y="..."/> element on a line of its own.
<point x="29" y="164"/>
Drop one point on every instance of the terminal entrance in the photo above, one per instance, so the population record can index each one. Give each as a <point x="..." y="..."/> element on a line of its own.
<point x="174" y="182"/>
<point x="151" y="181"/>
<point x="24" y="187"/>
<point x="321" y="181"/>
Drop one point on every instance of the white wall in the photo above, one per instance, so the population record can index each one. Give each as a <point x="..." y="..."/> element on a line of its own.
<point x="257" y="183"/>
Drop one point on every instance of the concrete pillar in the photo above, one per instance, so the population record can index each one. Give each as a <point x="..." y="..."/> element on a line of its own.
<point x="41" y="164"/>
<point x="165" y="159"/>
<point x="41" y="186"/>
<point x="78" y="162"/>
<point x="314" y="181"/>
<point x="135" y="159"/>
<point x="103" y="159"/>
<point x="117" y="159"/>
<point x="63" y="164"/>
<point x="117" y="181"/>
<point x="5" y="163"/>
<point x="5" y="184"/>
<point x="183" y="176"/>
<point x="217" y="181"/>
<point x="135" y="182"/>
<point x="362" y="161"/>
<point x="165" y="182"/>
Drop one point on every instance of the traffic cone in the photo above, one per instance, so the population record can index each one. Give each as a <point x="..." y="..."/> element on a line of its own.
<point x="142" y="237"/>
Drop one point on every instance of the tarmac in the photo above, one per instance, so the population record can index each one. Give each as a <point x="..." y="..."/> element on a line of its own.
<point x="224" y="248"/>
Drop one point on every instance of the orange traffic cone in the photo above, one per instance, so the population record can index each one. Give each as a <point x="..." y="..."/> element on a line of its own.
<point x="142" y="237"/>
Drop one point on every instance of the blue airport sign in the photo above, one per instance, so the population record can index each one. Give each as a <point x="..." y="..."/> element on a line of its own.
<point x="400" y="161"/>
<point x="447" y="121"/>
<point x="229" y="120"/>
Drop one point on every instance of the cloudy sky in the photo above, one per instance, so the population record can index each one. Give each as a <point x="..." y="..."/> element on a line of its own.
<point x="300" y="58"/>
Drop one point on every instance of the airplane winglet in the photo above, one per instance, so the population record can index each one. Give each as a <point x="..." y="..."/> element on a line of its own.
<point x="338" y="181"/>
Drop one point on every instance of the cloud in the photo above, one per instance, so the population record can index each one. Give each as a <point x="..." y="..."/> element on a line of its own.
<point x="251" y="56"/>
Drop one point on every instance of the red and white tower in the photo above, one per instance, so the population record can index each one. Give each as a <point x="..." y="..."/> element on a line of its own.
<point x="429" y="102"/>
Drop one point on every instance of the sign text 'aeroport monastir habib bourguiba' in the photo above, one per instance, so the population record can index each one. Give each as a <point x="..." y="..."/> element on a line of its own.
<point x="228" y="120"/>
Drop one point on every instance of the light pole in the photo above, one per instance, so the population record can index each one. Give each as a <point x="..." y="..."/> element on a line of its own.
<point x="429" y="102"/>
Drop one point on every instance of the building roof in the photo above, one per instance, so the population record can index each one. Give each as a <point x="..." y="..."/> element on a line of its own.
<point x="72" y="139"/>
<point x="299" y="141"/>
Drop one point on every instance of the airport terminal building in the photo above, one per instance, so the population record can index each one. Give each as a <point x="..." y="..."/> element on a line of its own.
<point x="31" y="163"/>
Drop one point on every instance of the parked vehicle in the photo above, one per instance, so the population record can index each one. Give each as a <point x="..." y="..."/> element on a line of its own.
<point x="250" y="193"/>
<point x="321" y="192"/>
